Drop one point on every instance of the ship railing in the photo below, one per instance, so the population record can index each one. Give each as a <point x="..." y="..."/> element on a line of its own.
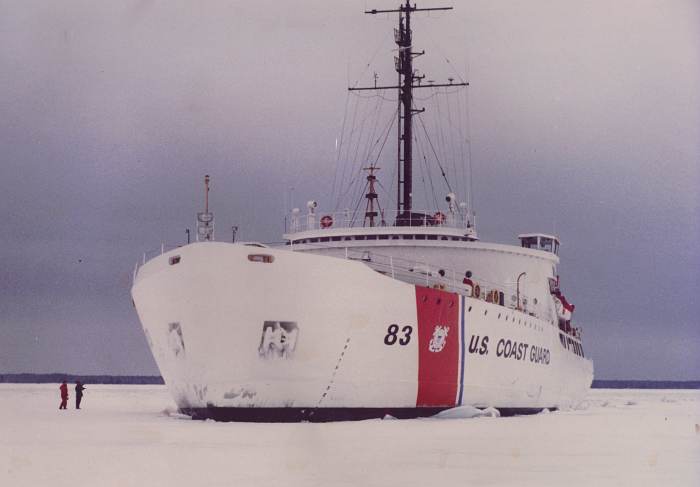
<point x="318" y="220"/>
<point x="413" y="272"/>
<point x="430" y="275"/>
<point x="149" y="254"/>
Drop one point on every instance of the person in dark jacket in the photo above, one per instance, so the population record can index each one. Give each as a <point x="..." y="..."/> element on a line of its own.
<point x="79" y="388"/>
<point x="64" y="395"/>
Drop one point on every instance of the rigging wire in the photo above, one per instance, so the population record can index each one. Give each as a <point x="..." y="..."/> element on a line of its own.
<point x="355" y="156"/>
<point x="379" y="47"/>
<point x="354" y="213"/>
<point x="424" y="160"/>
<point x="452" y="148"/>
<point x="437" y="159"/>
<point x="440" y="133"/>
<point x="353" y="181"/>
<point x="338" y="149"/>
<point x="465" y="162"/>
<point x="347" y="151"/>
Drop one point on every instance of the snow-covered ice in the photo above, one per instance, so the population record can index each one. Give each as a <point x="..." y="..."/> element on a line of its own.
<point x="132" y="435"/>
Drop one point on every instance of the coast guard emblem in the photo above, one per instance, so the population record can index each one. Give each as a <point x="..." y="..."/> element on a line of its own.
<point x="437" y="343"/>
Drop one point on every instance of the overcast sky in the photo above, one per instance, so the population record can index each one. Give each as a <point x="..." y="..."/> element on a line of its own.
<point x="584" y="120"/>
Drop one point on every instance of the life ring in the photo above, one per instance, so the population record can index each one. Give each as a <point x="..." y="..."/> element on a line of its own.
<point x="326" y="221"/>
<point x="477" y="291"/>
<point x="439" y="218"/>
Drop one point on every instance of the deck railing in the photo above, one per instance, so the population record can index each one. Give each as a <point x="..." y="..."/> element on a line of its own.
<point x="318" y="220"/>
<point x="414" y="272"/>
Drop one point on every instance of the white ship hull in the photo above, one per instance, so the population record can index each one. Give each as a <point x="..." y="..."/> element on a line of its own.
<point x="320" y="338"/>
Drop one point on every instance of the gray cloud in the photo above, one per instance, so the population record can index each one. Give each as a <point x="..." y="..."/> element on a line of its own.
<point x="583" y="119"/>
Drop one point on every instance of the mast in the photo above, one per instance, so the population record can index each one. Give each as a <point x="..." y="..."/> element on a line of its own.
<point x="408" y="80"/>
<point x="370" y="211"/>
<point x="205" y="219"/>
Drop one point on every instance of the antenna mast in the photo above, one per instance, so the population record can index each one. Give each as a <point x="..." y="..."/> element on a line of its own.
<point x="205" y="219"/>
<point x="408" y="80"/>
<point x="370" y="212"/>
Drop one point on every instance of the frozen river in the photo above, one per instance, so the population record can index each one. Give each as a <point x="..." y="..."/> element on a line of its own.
<point x="127" y="436"/>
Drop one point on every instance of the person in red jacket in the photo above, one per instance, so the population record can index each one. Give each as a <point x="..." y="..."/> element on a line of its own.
<point x="64" y="395"/>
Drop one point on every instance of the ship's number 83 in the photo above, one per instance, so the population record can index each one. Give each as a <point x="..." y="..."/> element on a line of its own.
<point x="393" y="335"/>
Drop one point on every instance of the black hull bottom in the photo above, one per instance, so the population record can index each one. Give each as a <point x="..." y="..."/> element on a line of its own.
<point x="323" y="415"/>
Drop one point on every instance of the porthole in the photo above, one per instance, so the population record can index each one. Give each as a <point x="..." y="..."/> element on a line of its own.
<point x="470" y="309"/>
<point x="175" y="259"/>
<point x="499" y="316"/>
<point x="485" y="311"/>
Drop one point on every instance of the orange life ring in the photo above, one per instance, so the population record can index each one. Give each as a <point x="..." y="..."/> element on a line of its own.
<point x="326" y="221"/>
<point x="477" y="291"/>
<point x="439" y="218"/>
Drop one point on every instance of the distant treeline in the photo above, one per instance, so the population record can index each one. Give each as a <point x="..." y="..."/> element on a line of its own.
<point x="85" y="379"/>
<point x="155" y="379"/>
<point x="645" y="384"/>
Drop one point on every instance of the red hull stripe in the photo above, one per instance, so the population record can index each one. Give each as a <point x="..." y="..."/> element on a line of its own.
<point x="438" y="347"/>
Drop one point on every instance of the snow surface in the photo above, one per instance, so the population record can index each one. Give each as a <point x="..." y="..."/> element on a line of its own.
<point x="131" y="436"/>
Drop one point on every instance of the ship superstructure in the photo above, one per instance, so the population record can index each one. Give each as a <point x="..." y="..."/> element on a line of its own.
<point x="359" y="315"/>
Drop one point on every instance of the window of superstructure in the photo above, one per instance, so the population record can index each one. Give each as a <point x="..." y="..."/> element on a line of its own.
<point x="529" y="242"/>
<point x="383" y="237"/>
<point x="313" y="240"/>
<point x="359" y="237"/>
<point x="325" y="239"/>
<point x="432" y="237"/>
<point x="546" y="244"/>
<point x="420" y="237"/>
<point x="408" y="237"/>
<point x="395" y="237"/>
<point x="371" y="237"/>
<point x="335" y="239"/>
